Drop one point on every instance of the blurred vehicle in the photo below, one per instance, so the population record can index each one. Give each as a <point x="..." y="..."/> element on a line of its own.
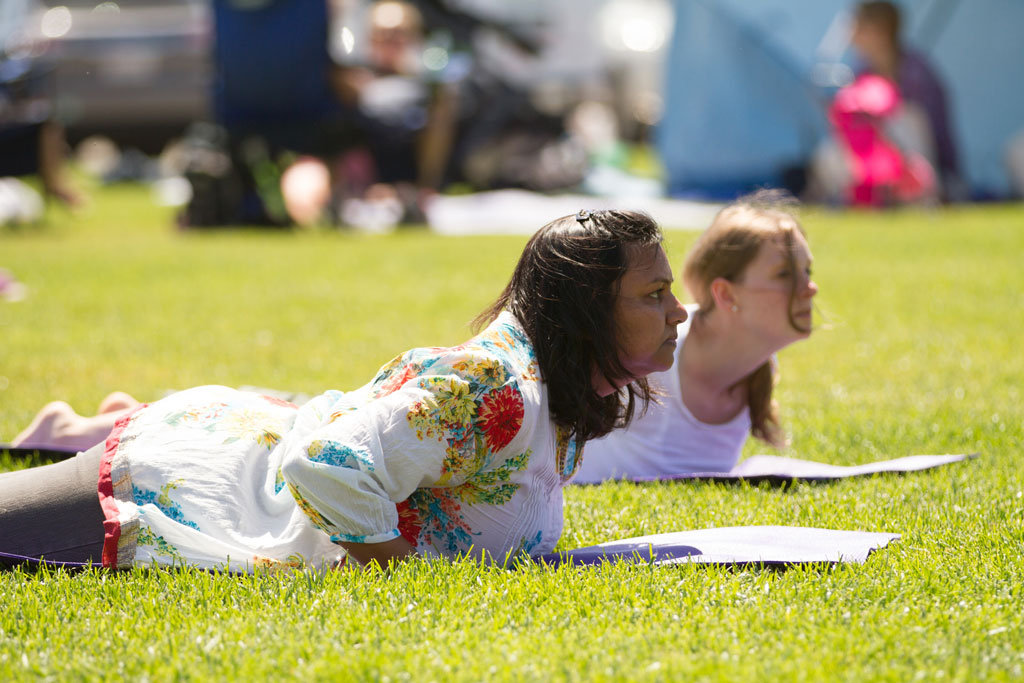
<point x="137" y="71"/>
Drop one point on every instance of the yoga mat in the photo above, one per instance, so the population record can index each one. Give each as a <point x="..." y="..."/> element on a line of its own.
<point x="778" y="469"/>
<point x="770" y="546"/>
<point x="46" y="453"/>
<point x="773" y="546"/>
<point x="773" y="469"/>
<point x="34" y="562"/>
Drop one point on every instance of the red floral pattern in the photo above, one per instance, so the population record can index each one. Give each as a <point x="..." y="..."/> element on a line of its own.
<point x="396" y="381"/>
<point x="501" y="416"/>
<point x="278" y="401"/>
<point x="409" y="525"/>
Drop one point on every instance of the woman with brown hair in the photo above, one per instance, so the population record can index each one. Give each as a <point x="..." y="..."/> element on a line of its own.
<point x="750" y="274"/>
<point x="445" y="452"/>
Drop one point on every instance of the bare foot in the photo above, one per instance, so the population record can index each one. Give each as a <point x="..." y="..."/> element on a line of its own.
<point x="58" y="426"/>
<point x="117" y="401"/>
<point x="54" y="418"/>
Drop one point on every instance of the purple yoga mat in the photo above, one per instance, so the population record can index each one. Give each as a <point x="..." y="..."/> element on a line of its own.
<point x="778" y="469"/>
<point x="737" y="545"/>
<point x="45" y="453"/>
<point x="32" y="562"/>
<point x="756" y="468"/>
<point x="774" y="546"/>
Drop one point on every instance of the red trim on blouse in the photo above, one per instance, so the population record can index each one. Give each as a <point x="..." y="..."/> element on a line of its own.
<point x="409" y="524"/>
<point x="111" y="527"/>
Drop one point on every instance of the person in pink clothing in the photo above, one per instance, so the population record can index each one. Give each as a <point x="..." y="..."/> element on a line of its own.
<point x="881" y="172"/>
<point x="895" y="117"/>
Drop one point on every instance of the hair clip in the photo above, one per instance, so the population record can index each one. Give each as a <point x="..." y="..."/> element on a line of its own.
<point x="582" y="215"/>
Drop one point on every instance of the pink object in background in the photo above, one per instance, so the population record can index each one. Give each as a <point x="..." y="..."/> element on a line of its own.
<point x="882" y="172"/>
<point x="10" y="288"/>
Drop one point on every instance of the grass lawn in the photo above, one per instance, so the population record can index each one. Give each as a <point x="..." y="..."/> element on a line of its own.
<point x="921" y="352"/>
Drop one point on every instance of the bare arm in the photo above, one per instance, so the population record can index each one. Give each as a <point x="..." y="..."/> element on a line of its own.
<point x="435" y="142"/>
<point x="381" y="554"/>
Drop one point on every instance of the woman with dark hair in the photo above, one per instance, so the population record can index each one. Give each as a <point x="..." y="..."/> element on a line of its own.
<point x="447" y="451"/>
<point x="750" y="275"/>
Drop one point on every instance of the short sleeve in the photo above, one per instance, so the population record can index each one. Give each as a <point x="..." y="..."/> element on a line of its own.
<point x="433" y="431"/>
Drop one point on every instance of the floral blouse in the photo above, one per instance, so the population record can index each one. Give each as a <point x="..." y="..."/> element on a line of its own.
<point x="451" y="448"/>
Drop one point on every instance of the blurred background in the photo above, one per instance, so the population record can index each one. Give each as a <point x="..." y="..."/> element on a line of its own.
<point x="375" y="114"/>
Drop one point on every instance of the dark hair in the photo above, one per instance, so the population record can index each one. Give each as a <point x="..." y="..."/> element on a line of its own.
<point x="563" y="293"/>
<point x="884" y="15"/>
<point x="725" y="250"/>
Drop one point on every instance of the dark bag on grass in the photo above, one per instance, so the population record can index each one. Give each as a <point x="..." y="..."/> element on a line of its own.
<point x="232" y="184"/>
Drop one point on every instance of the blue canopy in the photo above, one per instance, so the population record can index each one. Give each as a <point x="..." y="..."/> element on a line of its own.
<point x="745" y="98"/>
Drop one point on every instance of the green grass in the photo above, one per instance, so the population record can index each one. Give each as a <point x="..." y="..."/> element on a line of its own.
<point x="922" y="354"/>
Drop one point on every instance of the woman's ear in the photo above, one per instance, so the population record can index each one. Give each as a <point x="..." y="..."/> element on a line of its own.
<point x="724" y="293"/>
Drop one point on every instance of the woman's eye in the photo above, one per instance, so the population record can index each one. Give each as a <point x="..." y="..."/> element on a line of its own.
<point x="657" y="294"/>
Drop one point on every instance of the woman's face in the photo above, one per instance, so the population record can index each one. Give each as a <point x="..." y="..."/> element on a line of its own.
<point x="646" y="314"/>
<point x="776" y="291"/>
<point x="872" y="42"/>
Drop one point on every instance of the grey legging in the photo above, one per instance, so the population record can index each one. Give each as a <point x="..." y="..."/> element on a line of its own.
<point x="53" y="512"/>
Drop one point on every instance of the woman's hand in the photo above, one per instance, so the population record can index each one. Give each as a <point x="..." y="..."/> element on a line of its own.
<point x="381" y="554"/>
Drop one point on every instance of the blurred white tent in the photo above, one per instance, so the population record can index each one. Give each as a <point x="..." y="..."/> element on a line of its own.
<point x="518" y="212"/>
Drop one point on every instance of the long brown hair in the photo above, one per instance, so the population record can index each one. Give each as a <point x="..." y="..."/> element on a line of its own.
<point x="563" y="293"/>
<point x="725" y="250"/>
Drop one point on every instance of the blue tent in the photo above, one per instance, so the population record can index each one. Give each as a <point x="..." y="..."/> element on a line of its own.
<point x="746" y="86"/>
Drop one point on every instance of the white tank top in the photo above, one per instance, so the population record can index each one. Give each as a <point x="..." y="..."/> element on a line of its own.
<point x="667" y="439"/>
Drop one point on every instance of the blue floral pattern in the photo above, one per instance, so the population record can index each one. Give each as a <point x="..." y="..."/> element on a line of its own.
<point x="162" y="501"/>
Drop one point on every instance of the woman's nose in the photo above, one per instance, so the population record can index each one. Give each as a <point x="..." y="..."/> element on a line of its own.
<point x="677" y="312"/>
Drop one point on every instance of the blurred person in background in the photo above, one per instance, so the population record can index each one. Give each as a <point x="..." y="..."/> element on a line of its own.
<point x="436" y="108"/>
<point x="272" y="104"/>
<point x="883" y="146"/>
<point x="918" y="123"/>
<point x="434" y="92"/>
<point x="313" y="129"/>
<point x="406" y="112"/>
<point x="32" y="142"/>
<point x="360" y="123"/>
